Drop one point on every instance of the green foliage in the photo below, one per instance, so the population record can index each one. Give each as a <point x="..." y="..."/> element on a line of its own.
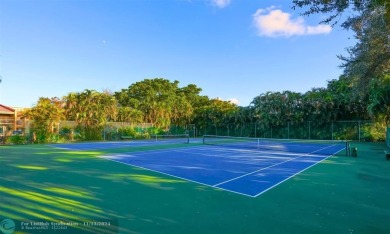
<point x="128" y="114"/>
<point x="128" y="131"/>
<point x="47" y="113"/>
<point x="154" y="131"/>
<point x="379" y="107"/>
<point x="377" y="131"/>
<point x="333" y="9"/>
<point x="216" y="112"/>
<point x="319" y="105"/>
<point x="65" y="134"/>
<point x="143" y="135"/>
<point x="42" y="137"/>
<point x="133" y="133"/>
<point x="92" y="133"/>
<point x="91" y="110"/>
<point x="16" y="140"/>
<point x="272" y="114"/>
<point x="160" y="101"/>
<point x="367" y="65"/>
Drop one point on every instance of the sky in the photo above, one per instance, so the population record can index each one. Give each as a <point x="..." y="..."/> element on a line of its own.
<point x="232" y="49"/>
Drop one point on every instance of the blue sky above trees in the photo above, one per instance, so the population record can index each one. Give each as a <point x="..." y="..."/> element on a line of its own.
<point x="232" y="49"/>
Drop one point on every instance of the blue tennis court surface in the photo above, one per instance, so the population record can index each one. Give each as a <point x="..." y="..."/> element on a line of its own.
<point x="242" y="171"/>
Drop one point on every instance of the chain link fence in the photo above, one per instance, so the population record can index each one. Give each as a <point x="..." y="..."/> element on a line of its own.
<point x="358" y="130"/>
<point x="339" y="130"/>
<point x="69" y="131"/>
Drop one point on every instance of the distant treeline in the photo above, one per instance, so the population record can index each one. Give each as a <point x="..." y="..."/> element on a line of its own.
<point x="163" y="103"/>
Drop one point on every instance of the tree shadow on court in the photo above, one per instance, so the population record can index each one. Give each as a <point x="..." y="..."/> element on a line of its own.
<point x="45" y="184"/>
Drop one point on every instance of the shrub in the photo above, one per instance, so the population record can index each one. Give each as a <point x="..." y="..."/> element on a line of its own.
<point x="128" y="131"/>
<point x="17" y="140"/>
<point x="375" y="132"/>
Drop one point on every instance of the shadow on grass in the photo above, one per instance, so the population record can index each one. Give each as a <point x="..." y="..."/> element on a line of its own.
<point x="44" y="184"/>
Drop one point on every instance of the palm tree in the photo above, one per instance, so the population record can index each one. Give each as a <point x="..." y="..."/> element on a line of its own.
<point x="91" y="110"/>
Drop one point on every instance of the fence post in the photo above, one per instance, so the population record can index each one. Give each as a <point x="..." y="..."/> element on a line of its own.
<point x="359" y="129"/>
<point x="332" y="130"/>
<point x="288" y="130"/>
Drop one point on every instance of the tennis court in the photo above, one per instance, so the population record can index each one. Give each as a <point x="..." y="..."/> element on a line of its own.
<point x="246" y="166"/>
<point x="339" y="195"/>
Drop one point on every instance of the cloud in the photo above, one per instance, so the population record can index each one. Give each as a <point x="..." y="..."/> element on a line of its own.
<point x="220" y="3"/>
<point x="234" y="101"/>
<point x="272" y="22"/>
<point x="231" y="100"/>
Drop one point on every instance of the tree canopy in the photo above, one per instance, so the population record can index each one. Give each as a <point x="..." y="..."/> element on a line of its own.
<point x="161" y="101"/>
<point x="47" y="114"/>
<point x="164" y="103"/>
<point x="367" y="66"/>
<point x="90" y="110"/>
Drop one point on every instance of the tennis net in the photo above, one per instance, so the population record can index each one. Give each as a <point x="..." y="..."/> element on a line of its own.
<point x="320" y="147"/>
<point x="174" y="138"/>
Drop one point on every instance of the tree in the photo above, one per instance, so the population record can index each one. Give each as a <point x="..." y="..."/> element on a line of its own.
<point x="91" y="110"/>
<point x="369" y="59"/>
<point x="333" y="9"/>
<point x="161" y="101"/>
<point x="380" y="100"/>
<point x="46" y="114"/>
<point x="215" y="113"/>
<point x="368" y="62"/>
<point x="128" y="114"/>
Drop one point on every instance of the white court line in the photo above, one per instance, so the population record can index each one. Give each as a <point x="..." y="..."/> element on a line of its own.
<point x="185" y="179"/>
<point x="295" y="174"/>
<point x="188" y="150"/>
<point x="250" y="173"/>
<point x="218" y="152"/>
<point x="262" y="153"/>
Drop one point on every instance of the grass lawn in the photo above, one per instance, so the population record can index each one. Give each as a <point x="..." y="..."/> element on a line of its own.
<point x="44" y="184"/>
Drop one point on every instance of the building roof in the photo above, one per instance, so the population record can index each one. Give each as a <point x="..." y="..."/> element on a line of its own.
<point x="6" y="110"/>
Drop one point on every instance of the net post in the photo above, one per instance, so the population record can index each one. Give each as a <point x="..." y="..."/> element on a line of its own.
<point x="349" y="149"/>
